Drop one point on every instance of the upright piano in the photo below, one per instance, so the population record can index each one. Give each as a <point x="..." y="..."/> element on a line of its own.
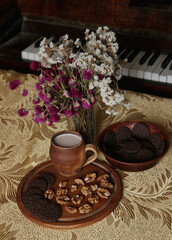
<point x="143" y="30"/>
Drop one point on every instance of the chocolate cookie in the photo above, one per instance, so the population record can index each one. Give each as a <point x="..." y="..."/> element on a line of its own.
<point x="144" y="155"/>
<point x="122" y="133"/>
<point x="141" y="131"/>
<point x="155" y="140"/>
<point x="34" y="190"/>
<point x="131" y="146"/>
<point x="50" y="212"/>
<point x="50" y="178"/>
<point x="109" y="140"/>
<point x="122" y="155"/>
<point x="39" y="182"/>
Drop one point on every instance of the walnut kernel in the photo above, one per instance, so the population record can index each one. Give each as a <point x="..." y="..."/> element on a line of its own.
<point x="49" y="193"/>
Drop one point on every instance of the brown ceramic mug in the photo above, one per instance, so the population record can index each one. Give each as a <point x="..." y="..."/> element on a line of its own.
<point x="68" y="152"/>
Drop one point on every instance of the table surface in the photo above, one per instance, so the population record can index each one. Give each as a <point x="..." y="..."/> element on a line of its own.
<point x="145" y="209"/>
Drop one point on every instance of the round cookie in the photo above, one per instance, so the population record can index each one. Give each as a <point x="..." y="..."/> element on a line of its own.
<point x="50" y="178"/>
<point x="131" y="146"/>
<point x="141" y="131"/>
<point x="50" y="212"/>
<point x="38" y="182"/>
<point x="109" y="140"/>
<point x="144" y="155"/>
<point x="155" y="140"/>
<point x="122" y="133"/>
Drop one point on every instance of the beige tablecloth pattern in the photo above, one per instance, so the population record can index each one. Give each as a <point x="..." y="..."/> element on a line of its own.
<point x="145" y="209"/>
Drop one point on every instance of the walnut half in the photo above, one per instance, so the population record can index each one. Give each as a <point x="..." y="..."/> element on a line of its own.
<point x="86" y="208"/>
<point x="71" y="209"/>
<point x="49" y="193"/>
<point x="103" y="192"/>
<point x="90" y="177"/>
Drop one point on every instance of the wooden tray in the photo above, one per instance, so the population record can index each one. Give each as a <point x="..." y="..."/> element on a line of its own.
<point x="68" y="220"/>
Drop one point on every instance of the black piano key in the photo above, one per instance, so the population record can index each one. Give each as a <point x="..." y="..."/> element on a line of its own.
<point x="55" y="39"/>
<point x="121" y="48"/>
<point x="153" y="58"/>
<point x="166" y="61"/>
<point x="125" y="53"/>
<point x="145" y="57"/>
<point x="170" y="67"/>
<point x="132" y="55"/>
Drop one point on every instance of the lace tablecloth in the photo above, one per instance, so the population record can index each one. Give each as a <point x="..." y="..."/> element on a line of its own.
<point x="145" y="209"/>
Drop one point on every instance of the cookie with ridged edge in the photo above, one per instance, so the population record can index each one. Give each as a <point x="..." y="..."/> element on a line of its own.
<point x="141" y="131"/>
<point x="155" y="140"/>
<point x="49" y="177"/>
<point x="131" y="146"/>
<point x="144" y="155"/>
<point x="38" y="182"/>
<point x="109" y="140"/>
<point x="50" y="212"/>
<point x="122" y="133"/>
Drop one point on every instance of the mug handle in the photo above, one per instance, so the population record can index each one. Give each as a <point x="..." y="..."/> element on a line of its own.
<point x="93" y="157"/>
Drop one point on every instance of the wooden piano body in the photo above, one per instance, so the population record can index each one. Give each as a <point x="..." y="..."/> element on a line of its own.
<point x="140" y="24"/>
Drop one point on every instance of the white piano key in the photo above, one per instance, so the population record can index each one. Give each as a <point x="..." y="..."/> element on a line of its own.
<point x="138" y="69"/>
<point x="143" y="67"/>
<point x="156" y="72"/>
<point x="150" y="69"/>
<point x="129" y="65"/>
<point x="31" y="53"/>
<point x="165" y="74"/>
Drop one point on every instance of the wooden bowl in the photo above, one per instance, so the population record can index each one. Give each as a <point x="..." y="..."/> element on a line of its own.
<point x="132" y="166"/>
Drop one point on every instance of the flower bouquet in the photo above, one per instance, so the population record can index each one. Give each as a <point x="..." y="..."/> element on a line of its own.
<point x="72" y="75"/>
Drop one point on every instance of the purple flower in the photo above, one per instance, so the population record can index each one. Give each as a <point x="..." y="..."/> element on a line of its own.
<point x="24" y="92"/>
<point x="86" y="103"/>
<point x="42" y="78"/>
<point x="54" y="117"/>
<point x="36" y="100"/>
<point x="34" y="66"/>
<point x="47" y="98"/>
<point x="101" y="76"/>
<point x="52" y="109"/>
<point x="68" y="112"/>
<point x="87" y="74"/>
<point x="60" y="79"/>
<point x="14" y="84"/>
<point x="93" y="100"/>
<point x="41" y="95"/>
<point x="38" y="109"/>
<point x="76" y="104"/>
<point x="70" y="60"/>
<point x="61" y="73"/>
<point x="71" y="82"/>
<point x="90" y="91"/>
<point x="48" y="122"/>
<point x="22" y="112"/>
<point x="38" y="86"/>
<point x="74" y="92"/>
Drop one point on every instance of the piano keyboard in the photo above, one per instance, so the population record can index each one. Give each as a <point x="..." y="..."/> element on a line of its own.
<point x="146" y="65"/>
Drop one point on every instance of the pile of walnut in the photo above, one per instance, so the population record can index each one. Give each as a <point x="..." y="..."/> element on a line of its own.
<point x="86" y="188"/>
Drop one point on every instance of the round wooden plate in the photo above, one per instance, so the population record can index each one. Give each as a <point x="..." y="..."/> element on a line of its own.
<point x="77" y="220"/>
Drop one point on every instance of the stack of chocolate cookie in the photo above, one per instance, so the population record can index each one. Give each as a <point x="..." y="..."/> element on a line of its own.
<point x="34" y="201"/>
<point x="133" y="145"/>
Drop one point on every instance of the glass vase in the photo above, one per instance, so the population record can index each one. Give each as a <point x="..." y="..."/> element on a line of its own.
<point x="84" y="124"/>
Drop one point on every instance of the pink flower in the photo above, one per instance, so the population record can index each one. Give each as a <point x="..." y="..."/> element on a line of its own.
<point x="24" y="92"/>
<point x="34" y="66"/>
<point x="71" y="82"/>
<point x="14" y="84"/>
<point x="68" y="112"/>
<point x="52" y="109"/>
<point x="54" y="117"/>
<point x="87" y="74"/>
<point x="74" y="92"/>
<point x="38" y="109"/>
<point x="38" y="86"/>
<point x="41" y="95"/>
<point x="42" y="78"/>
<point x="36" y="100"/>
<point x="76" y="104"/>
<point x="93" y="100"/>
<point x="56" y="87"/>
<point x="47" y="98"/>
<point x="22" y="112"/>
<point x="86" y="103"/>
